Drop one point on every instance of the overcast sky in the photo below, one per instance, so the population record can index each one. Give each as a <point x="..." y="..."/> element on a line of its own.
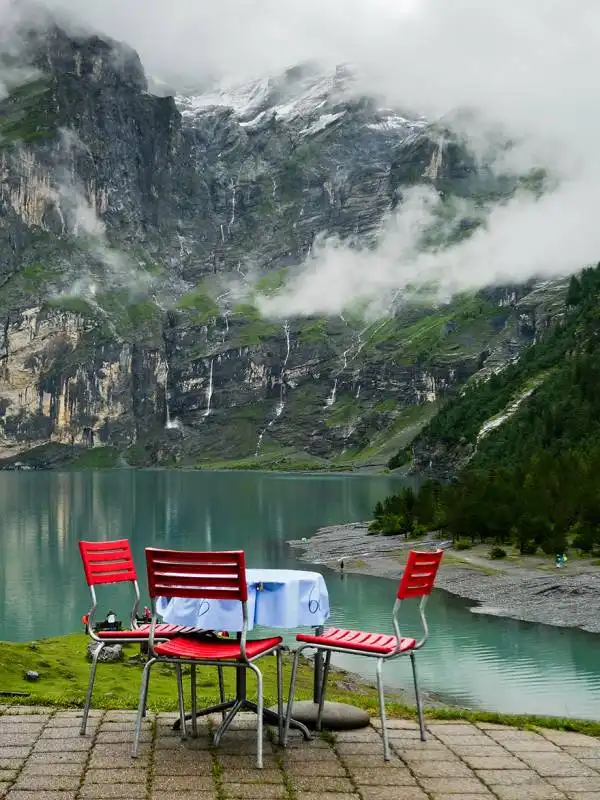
<point x="529" y="66"/>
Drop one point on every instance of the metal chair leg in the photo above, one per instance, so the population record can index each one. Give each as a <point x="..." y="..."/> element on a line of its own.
<point x="413" y="661"/>
<point x="88" y="697"/>
<point x="279" y="656"/>
<point x="221" y="690"/>
<point x="384" y="730"/>
<point x="141" y="706"/>
<point x="323" y="687"/>
<point x="193" y="699"/>
<point x="259" y="714"/>
<point x="181" y="702"/>
<point x="290" y="703"/>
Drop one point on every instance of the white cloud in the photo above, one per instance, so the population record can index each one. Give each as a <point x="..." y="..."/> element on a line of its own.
<point x="529" y="67"/>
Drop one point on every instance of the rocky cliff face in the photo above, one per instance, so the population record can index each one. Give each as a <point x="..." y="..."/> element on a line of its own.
<point x="120" y="213"/>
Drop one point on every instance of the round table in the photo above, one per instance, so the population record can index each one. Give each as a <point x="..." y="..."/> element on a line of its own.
<point x="277" y="598"/>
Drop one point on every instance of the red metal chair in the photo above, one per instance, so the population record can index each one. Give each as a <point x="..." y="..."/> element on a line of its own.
<point x="207" y="576"/>
<point x="112" y="562"/>
<point x="418" y="578"/>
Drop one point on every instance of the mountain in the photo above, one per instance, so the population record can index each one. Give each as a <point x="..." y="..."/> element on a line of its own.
<point x="137" y="227"/>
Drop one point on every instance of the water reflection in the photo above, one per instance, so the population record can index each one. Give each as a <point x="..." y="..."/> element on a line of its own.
<point x="474" y="659"/>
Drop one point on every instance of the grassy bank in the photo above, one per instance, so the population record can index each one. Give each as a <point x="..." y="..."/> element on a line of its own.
<point x="64" y="673"/>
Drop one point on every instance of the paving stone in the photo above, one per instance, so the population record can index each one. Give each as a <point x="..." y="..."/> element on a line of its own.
<point x="255" y="791"/>
<point x="502" y="762"/>
<point x="8" y="775"/>
<point x="426" y="755"/>
<point x="14" y="752"/>
<point x="35" y="768"/>
<point x="594" y="763"/>
<point x="474" y="751"/>
<point x="453" y="785"/>
<point x="183" y="796"/>
<point x="254" y="775"/>
<point x="360" y="748"/>
<point x="11" y="763"/>
<point x="530" y="791"/>
<point x="337" y="796"/>
<point x="453" y="728"/>
<point x="20" y="795"/>
<point x="69" y="757"/>
<point x="246" y="762"/>
<point x="48" y="783"/>
<point x="362" y="735"/>
<point x="557" y="766"/>
<point x="442" y="769"/>
<point x="190" y="768"/>
<point x="116" y="791"/>
<point x="314" y="755"/>
<point x="478" y="796"/>
<point x="99" y="775"/>
<point x="383" y="777"/>
<point x="21" y="727"/>
<point x="382" y="793"/>
<point x="537" y="745"/>
<point x="61" y="745"/>
<point x="18" y="740"/>
<point x="406" y="724"/>
<point x="563" y="738"/>
<point x="4" y="787"/>
<point x="329" y="769"/>
<point x="325" y="784"/>
<point x="355" y="763"/>
<point x="508" y="777"/>
<point x="182" y="783"/>
<point x="462" y="741"/>
<point x="124" y="762"/>
<point x="583" y="752"/>
<point x="577" y="784"/>
<point x="64" y="733"/>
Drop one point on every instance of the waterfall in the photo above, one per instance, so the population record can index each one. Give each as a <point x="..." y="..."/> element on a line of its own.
<point x="281" y="404"/>
<point x="331" y="399"/>
<point x="170" y="424"/>
<point x="209" y="388"/>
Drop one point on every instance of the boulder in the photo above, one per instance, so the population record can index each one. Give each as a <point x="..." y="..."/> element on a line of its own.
<point x="110" y="652"/>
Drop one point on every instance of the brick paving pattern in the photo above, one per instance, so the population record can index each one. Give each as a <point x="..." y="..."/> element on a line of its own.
<point x="43" y="757"/>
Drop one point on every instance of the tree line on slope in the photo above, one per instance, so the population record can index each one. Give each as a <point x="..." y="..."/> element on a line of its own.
<point x="533" y="481"/>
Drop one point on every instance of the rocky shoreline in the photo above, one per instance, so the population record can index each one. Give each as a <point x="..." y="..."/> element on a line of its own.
<point x="531" y="592"/>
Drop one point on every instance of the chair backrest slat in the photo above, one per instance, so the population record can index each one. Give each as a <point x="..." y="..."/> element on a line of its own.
<point x="418" y="576"/>
<point x="107" y="562"/>
<point x="212" y="576"/>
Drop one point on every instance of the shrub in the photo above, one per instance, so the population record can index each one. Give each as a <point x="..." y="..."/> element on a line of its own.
<point x="462" y="544"/>
<point x="496" y="553"/>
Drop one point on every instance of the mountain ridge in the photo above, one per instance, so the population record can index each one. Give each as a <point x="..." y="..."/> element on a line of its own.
<point x="121" y="214"/>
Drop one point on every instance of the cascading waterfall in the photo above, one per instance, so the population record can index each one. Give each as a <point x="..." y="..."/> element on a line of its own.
<point x="281" y="404"/>
<point x="170" y="424"/>
<point x="331" y="399"/>
<point x="209" y="389"/>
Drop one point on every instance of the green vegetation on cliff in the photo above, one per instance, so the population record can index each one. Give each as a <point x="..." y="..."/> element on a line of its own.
<point x="534" y="434"/>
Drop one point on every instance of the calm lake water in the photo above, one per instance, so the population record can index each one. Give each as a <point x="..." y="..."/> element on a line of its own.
<point x="478" y="661"/>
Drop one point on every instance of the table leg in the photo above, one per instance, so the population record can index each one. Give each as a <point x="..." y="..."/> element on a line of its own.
<point x="241" y="703"/>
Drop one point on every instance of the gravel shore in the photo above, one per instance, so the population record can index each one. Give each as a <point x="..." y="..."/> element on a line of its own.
<point x="534" y="592"/>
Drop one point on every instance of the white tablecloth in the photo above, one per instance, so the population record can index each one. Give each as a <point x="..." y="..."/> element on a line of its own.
<point x="277" y="598"/>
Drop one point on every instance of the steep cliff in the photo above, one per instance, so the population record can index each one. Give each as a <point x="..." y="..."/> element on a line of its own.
<point x="123" y="215"/>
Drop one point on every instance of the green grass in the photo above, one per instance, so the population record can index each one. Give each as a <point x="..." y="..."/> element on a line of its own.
<point x="96" y="458"/>
<point x="64" y="673"/>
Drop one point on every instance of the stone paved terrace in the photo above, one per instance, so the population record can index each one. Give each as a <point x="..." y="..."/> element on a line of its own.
<point x="42" y="757"/>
